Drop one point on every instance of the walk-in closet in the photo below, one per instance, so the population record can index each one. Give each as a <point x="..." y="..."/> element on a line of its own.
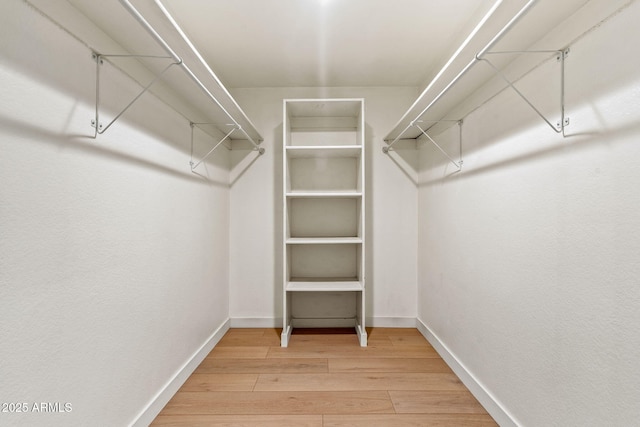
<point x="319" y="213"/>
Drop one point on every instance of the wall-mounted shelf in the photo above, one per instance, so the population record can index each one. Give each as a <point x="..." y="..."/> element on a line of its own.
<point x="331" y="194"/>
<point x="335" y="151"/>
<point x="226" y="119"/>
<point x="341" y="285"/>
<point x="323" y="240"/>
<point x="476" y="72"/>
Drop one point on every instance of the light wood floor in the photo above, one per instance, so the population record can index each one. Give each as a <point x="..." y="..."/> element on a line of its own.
<point x="323" y="380"/>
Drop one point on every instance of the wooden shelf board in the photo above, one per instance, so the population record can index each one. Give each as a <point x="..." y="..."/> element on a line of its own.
<point x="323" y="240"/>
<point x="324" y="193"/>
<point x="324" y="285"/>
<point x="315" y="151"/>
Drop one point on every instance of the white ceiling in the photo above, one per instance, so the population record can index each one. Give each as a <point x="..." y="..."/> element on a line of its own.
<point x="265" y="43"/>
<point x="292" y="43"/>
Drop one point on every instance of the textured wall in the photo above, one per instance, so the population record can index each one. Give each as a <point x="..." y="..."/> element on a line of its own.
<point x="113" y="255"/>
<point x="528" y="258"/>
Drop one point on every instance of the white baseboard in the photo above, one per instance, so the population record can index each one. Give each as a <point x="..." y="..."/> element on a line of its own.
<point x="486" y="399"/>
<point x="392" y="322"/>
<point x="151" y="411"/>
<point x="256" y="322"/>
<point x="270" y="322"/>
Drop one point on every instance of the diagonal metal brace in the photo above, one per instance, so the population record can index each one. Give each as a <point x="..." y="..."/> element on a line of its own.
<point x="559" y="126"/>
<point x="195" y="165"/>
<point x="100" y="129"/>
<point x="457" y="164"/>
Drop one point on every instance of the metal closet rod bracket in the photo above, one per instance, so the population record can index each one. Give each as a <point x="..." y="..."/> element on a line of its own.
<point x="234" y="127"/>
<point x="457" y="164"/>
<point x="99" y="59"/>
<point x="154" y="34"/>
<point x="416" y="122"/>
<point x="561" y="55"/>
<point x="192" y="125"/>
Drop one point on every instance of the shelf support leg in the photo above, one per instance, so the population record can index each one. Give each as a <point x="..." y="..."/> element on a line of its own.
<point x="285" y="336"/>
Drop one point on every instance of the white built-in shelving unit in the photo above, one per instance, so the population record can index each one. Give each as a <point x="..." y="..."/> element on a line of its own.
<point x="323" y="215"/>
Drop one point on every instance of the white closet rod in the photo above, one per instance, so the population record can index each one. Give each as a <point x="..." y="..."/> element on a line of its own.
<point x="138" y="16"/>
<point x="476" y="58"/>
<point x="201" y="59"/>
<point x="444" y="68"/>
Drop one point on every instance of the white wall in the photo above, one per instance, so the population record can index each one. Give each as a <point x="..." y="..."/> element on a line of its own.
<point x="113" y="255"/>
<point x="528" y="258"/>
<point x="256" y="217"/>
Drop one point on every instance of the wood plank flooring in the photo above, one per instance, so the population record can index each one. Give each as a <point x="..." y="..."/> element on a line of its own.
<point x="323" y="379"/>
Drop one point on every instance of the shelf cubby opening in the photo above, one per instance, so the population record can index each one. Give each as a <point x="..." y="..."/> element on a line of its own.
<point x="323" y="218"/>
<point x="324" y="262"/>
<point x="323" y="173"/>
